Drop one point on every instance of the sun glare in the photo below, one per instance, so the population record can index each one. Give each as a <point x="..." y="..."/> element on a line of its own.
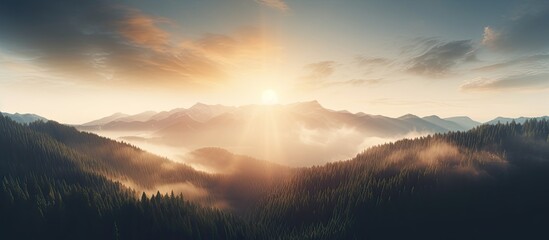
<point x="269" y="97"/>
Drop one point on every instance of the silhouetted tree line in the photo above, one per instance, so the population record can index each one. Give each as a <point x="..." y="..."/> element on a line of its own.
<point x="487" y="183"/>
<point x="47" y="192"/>
<point x="121" y="160"/>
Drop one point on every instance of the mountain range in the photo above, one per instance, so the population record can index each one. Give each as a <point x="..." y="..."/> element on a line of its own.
<point x="201" y="113"/>
<point x="23" y="118"/>
<point x="204" y="114"/>
<point x="59" y="183"/>
<point x="298" y="134"/>
<point x="504" y="120"/>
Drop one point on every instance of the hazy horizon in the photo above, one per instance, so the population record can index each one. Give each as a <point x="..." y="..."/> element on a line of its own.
<point x="320" y="119"/>
<point x="396" y="115"/>
<point x="75" y="62"/>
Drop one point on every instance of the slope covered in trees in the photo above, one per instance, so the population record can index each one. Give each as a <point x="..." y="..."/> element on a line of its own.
<point x="48" y="192"/>
<point x="229" y="188"/>
<point x="490" y="182"/>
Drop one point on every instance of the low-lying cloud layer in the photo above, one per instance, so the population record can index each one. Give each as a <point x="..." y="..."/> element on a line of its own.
<point x="447" y="157"/>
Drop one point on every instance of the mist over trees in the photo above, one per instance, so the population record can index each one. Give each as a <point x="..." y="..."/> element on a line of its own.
<point x="298" y="135"/>
<point x="48" y="192"/>
<point x="486" y="183"/>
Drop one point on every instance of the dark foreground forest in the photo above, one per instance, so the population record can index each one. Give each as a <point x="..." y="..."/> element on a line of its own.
<point x="488" y="183"/>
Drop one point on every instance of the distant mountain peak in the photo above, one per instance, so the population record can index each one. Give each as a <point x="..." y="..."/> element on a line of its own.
<point x="408" y="116"/>
<point x="147" y="112"/>
<point x="460" y="117"/>
<point x="464" y="121"/>
<point x="504" y="120"/>
<point x="314" y="102"/>
<point x="119" y="114"/>
<point x="309" y="104"/>
<point x="433" y="117"/>
<point x="174" y="110"/>
<point x="199" y="105"/>
<point x="24" y="117"/>
<point x="204" y="106"/>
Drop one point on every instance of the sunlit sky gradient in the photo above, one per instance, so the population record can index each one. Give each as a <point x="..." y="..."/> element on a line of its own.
<point x="77" y="60"/>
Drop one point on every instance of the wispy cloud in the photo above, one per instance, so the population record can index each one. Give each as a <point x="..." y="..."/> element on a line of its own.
<point x="322" y="75"/>
<point x="440" y="57"/>
<point x="276" y="4"/>
<point x="143" y="30"/>
<point x="317" y="74"/>
<point x="525" y="81"/>
<point x="320" y="70"/>
<point x="245" y="43"/>
<point x="369" y="61"/>
<point x="90" y="39"/>
<point x="526" y="62"/>
<point x="527" y="32"/>
<point x="357" y="82"/>
<point x="418" y="45"/>
<point x="98" y="41"/>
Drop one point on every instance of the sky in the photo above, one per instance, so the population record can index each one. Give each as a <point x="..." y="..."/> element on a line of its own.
<point x="74" y="61"/>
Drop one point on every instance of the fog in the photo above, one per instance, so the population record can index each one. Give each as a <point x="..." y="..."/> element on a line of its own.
<point x="444" y="156"/>
<point x="141" y="140"/>
<point x="302" y="146"/>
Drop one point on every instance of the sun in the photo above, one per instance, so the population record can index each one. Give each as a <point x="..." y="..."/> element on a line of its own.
<point x="269" y="97"/>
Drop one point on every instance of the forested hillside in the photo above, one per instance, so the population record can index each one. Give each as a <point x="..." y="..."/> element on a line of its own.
<point x="246" y="182"/>
<point x="487" y="183"/>
<point x="48" y="192"/>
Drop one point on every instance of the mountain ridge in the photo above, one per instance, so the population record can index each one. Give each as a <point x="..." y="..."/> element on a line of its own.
<point x="491" y="179"/>
<point x="24" y="117"/>
<point x="218" y="109"/>
<point x="304" y="133"/>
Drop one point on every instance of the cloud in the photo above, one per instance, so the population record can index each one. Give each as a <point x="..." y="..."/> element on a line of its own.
<point x="369" y="61"/>
<point x="528" y="32"/>
<point x="92" y="39"/>
<point x="14" y="66"/>
<point x="320" y="75"/>
<point x="321" y="70"/>
<point x="143" y="30"/>
<point x="369" y="142"/>
<point x="525" y="81"/>
<point x="317" y="74"/>
<point x="528" y="61"/>
<point x="98" y="41"/>
<point x="419" y="44"/>
<point x="490" y="37"/>
<point x="276" y="4"/>
<point x="244" y="43"/>
<point x="441" y="153"/>
<point x="217" y="44"/>
<point x="441" y="57"/>
<point x="321" y="145"/>
<point x="358" y="82"/>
